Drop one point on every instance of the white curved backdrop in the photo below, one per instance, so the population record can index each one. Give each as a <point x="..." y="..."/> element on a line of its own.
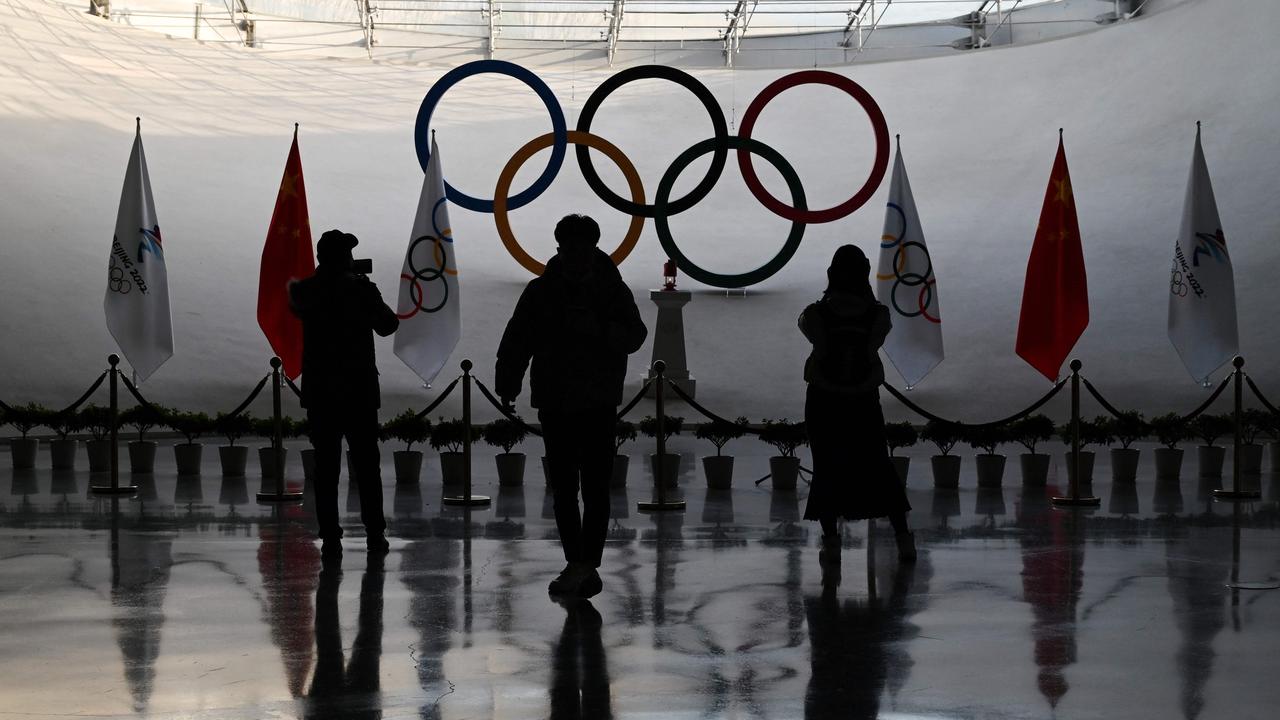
<point x="979" y="132"/>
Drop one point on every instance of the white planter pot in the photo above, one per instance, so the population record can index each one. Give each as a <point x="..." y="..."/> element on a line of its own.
<point x="308" y="464"/>
<point x="24" y="452"/>
<point x="1124" y="464"/>
<point x="510" y="469"/>
<point x="1209" y="460"/>
<point x="1035" y="469"/>
<point x="990" y="469"/>
<point x="901" y="465"/>
<point x="267" y="462"/>
<point x="233" y="458"/>
<point x="142" y="456"/>
<point x="946" y="471"/>
<point x="408" y="464"/>
<point x="719" y="471"/>
<point x="1251" y="459"/>
<point x="1168" y="463"/>
<point x="99" y="452"/>
<point x="187" y="457"/>
<point x="452" y="469"/>
<point x="784" y="471"/>
<point x="670" y="468"/>
<point x="1274" y="451"/>
<point x="1086" y="467"/>
<point x="621" y="463"/>
<point x="62" y="454"/>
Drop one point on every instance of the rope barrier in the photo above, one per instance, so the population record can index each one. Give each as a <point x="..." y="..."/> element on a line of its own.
<point x="1261" y="398"/>
<point x="1098" y="396"/>
<point x="1205" y="405"/>
<point x="635" y="400"/>
<point x="707" y="413"/>
<point x="995" y="423"/>
<point x="439" y="398"/>
<point x="138" y="396"/>
<point x="296" y="392"/>
<point x="252" y="396"/>
<point x="4" y="407"/>
<point x="497" y="404"/>
<point x="87" y="393"/>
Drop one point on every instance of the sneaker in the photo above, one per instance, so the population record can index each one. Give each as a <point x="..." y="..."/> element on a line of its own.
<point x="906" y="547"/>
<point x="378" y="543"/>
<point x="567" y="582"/>
<point x="591" y="584"/>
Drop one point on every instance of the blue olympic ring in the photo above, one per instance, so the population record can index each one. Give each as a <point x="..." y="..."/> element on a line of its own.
<point x="901" y="237"/>
<point x="560" y="137"/>
<point x="447" y="237"/>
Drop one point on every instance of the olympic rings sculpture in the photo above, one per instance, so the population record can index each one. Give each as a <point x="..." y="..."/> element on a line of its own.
<point x="663" y="206"/>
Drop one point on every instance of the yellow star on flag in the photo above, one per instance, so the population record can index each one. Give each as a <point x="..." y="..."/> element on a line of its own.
<point x="1064" y="190"/>
<point x="288" y="186"/>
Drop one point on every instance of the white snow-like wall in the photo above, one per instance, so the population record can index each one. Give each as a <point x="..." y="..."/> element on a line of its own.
<point x="979" y="132"/>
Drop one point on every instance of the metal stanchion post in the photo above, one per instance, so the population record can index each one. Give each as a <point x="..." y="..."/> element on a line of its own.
<point x="1237" y="493"/>
<point x="466" y="499"/>
<point x="277" y="444"/>
<point x="114" y="488"/>
<point x="1075" y="499"/>
<point x="660" y="503"/>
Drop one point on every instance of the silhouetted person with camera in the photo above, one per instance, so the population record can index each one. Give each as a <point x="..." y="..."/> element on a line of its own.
<point x="340" y="310"/>
<point x="852" y="475"/>
<point x="576" y="324"/>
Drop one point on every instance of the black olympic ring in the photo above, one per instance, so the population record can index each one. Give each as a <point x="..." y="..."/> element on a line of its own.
<point x="924" y="300"/>
<point x="911" y="279"/>
<point x="683" y="79"/>
<point x="426" y="275"/>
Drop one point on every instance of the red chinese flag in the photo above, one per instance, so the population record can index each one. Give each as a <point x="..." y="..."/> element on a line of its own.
<point x="286" y="256"/>
<point x="1055" y="298"/>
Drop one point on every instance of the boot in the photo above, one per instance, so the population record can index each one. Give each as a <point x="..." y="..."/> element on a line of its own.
<point x="829" y="554"/>
<point x="906" y="547"/>
<point x="591" y="584"/>
<point x="568" y="581"/>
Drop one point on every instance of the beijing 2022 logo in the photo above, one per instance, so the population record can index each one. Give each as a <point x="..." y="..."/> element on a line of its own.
<point x="663" y="206"/>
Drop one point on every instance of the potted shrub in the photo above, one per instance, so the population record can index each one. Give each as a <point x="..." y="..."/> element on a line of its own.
<point x="97" y="420"/>
<point x="946" y="467"/>
<point x="408" y="428"/>
<point x="1209" y="428"/>
<point x="672" y="425"/>
<point x="786" y="438"/>
<point x="191" y="425"/>
<point x="142" y="452"/>
<point x="1029" y="432"/>
<point x="1253" y="423"/>
<point x="24" y="419"/>
<point x="507" y="434"/>
<point x="62" y="451"/>
<point x="1127" y="428"/>
<point x="447" y="438"/>
<point x="897" y="436"/>
<point x="1169" y="429"/>
<point x="233" y="427"/>
<point x="1092" y="432"/>
<point x="718" y="468"/>
<point x="988" y="464"/>
<point x="622" y="434"/>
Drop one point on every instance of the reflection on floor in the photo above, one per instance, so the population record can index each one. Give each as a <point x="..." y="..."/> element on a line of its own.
<point x="189" y="599"/>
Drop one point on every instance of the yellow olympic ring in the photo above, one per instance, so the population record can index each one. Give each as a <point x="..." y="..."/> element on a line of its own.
<point x="541" y="142"/>
<point x="437" y="252"/>
<point x="902" y="258"/>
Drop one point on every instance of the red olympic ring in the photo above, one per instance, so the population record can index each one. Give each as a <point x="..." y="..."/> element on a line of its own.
<point x="868" y="103"/>
<point x="924" y="305"/>
<point x="417" y="304"/>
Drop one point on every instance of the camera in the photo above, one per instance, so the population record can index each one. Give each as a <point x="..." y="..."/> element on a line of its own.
<point x="362" y="266"/>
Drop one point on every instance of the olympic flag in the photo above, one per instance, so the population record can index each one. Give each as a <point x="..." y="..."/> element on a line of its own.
<point x="137" y="300"/>
<point x="286" y="256"/>
<point x="428" y="308"/>
<point x="1055" y="297"/>
<point x="1202" y="294"/>
<point x="906" y="284"/>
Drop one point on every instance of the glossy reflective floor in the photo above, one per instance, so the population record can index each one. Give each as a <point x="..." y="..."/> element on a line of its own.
<point x="191" y="600"/>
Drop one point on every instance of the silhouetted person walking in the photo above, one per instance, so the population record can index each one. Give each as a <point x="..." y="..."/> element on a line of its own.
<point x="576" y="323"/>
<point x="852" y="475"/>
<point x="340" y="310"/>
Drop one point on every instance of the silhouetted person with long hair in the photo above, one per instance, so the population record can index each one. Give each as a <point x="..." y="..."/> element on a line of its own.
<point x="852" y="475"/>
<point x="340" y="310"/>
<point x="576" y="324"/>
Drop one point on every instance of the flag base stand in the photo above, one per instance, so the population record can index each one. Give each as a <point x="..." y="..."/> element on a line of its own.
<point x="660" y="506"/>
<point x="1236" y="495"/>
<point x="465" y="501"/>
<point x="1082" y="501"/>
<point x="116" y="490"/>
<point x="287" y="496"/>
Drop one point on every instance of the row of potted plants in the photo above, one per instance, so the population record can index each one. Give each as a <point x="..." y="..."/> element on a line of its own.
<point x="447" y="437"/>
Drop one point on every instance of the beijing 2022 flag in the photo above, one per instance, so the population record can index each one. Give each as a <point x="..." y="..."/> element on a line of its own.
<point x="1202" y="291"/>
<point x="906" y="284"/>
<point x="428" y="307"/>
<point x="137" y="300"/>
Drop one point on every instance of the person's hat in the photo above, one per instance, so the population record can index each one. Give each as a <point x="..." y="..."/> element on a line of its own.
<point x="335" y="243"/>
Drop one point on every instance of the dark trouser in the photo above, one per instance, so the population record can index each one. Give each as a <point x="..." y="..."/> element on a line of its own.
<point x="360" y="428"/>
<point x="580" y="453"/>
<point x="831" y="530"/>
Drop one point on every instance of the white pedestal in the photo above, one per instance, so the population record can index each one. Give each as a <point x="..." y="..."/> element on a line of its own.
<point x="668" y="340"/>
